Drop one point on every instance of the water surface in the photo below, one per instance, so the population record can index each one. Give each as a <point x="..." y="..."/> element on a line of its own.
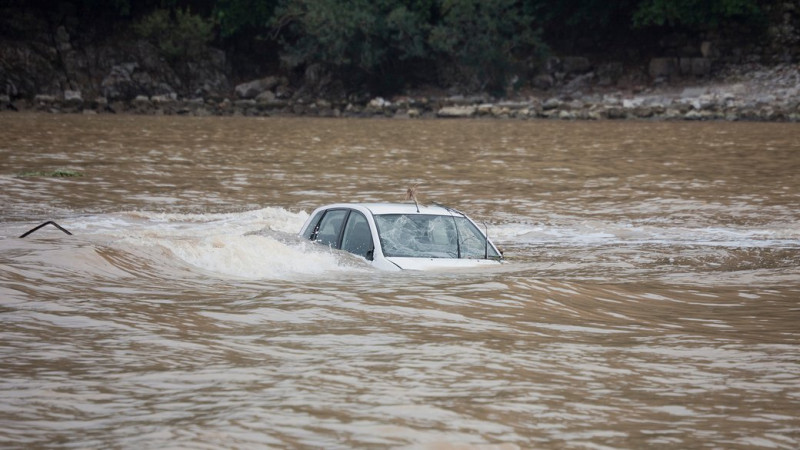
<point x="650" y="296"/>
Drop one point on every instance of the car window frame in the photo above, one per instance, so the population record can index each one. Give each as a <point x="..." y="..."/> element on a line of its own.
<point x="338" y="241"/>
<point x="370" y="253"/>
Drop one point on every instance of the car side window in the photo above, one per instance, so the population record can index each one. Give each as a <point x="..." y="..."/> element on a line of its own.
<point x="312" y="228"/>
<point x="331" y="226"/>
<point x="357" y="236"/>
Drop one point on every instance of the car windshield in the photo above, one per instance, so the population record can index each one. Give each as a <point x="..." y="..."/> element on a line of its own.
<point x="431" y="236"/>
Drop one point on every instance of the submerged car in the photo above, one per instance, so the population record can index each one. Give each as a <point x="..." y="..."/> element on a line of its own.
<point x="398" y="236"/>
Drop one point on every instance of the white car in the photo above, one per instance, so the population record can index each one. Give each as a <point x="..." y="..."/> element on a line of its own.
<point x="398" y="236"/>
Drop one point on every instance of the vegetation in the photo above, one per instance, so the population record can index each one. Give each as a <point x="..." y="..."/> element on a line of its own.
<point x="695" y="13"/>
<point x="179" y="35"/>
<point x="388" y="44"/>
<point x="487" y="40"/>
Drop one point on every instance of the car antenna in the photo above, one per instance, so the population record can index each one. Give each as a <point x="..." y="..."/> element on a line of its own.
<point x="411" y="194"/>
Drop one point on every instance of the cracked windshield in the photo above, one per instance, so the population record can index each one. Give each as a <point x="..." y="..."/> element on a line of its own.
<point x="424" y="236"/>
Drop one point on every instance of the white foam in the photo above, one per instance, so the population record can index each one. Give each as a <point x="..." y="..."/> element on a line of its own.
<point x="275" y="219"/>
<point x="593" y="233"/>
<point x="253" y="256"/>
<point x="251" y="244"/>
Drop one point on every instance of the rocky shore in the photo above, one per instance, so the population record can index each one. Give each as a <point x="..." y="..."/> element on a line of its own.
<point x="742" y="92"/>
<point x="714" y="74"/>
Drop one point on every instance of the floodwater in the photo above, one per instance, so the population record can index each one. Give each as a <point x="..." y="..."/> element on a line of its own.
<point x="650" y="298"/>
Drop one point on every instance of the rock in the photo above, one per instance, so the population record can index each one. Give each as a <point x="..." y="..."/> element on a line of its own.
<point x="485" y="109"/>
<point x="685" y="66"/>
<point x="73" y="102"/>
<point x="457" y="111"/>
<point x="62" y="39"/>
<point x="299" y="109"/>
<point x="44" y="99"/>
<point x="551" y="103"/>
<point x="611" y="99"/>
<point x="283" y="91"/>
<point x="738" y="89"/>
<point x="594" y="115"/>
<point x="245" y="103"/>
<point x="643" y="112"/>
<point x="576" y="64"/>
<point x="631" y="103"/>
<point x="580" y="82"/>
<point x="692" y="92"/>
<point x="501" y="112"/>
<point x="164" y="99"/>
<point x="513" y="105"/>
<point x="400" y="113"/>
<point x="574" y="105"/>
<point x="522" y="113"/>
<point x="73" y="98"/>
<point x="609" y="74"/>
<point x="663" y="67"/>
<point x="709" y="50"/>
<point x="119" y="83"/>
<point x="693" y="115"/>
<point x="698" y="67"/>
<point x="141" y="104"/>
<point x="706" y="102"/>
<point x="252" y="89"/>
<point x="701" y="67"/>
<point x="202" y="112"/>
<point x="275" y="103"/>
<point x="534" y="106"/>
<point x="543" y="81"/>
<point x="378" y="103"/>
<point x="265" y="98"/>
<point x="615" y="112"/>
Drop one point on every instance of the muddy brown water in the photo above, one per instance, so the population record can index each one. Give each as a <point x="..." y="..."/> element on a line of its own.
<point x="650" y="298"/>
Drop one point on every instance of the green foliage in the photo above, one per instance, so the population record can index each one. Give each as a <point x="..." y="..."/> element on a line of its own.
<point x="179" y="35"/>
<point x="121" y="8"/>
<point x="488" y="39"/>
<point x="385" y="44"/>
<point x="566" y="21"/>
<point x="361" y="38"/>
<point x="694" y="13"/>
<point x="27" y="18"/>
<point x="235" y="16"/>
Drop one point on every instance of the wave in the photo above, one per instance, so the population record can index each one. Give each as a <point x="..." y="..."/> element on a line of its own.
<point x="588" y="233"/>
<point x="259" y="244"/>
<point x="263" y="244"/>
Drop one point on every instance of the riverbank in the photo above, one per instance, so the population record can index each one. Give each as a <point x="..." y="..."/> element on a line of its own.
<point x="749" y="92"/>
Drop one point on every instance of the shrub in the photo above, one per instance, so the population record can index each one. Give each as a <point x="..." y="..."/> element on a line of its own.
<point x="179" y="35"/>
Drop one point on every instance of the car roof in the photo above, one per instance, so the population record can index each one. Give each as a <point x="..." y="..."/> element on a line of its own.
<point x="398" y="208"/>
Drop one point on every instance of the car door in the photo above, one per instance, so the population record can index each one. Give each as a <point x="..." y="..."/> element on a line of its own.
<point x="329" y="229"/>
<point x="357" y="238"/>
